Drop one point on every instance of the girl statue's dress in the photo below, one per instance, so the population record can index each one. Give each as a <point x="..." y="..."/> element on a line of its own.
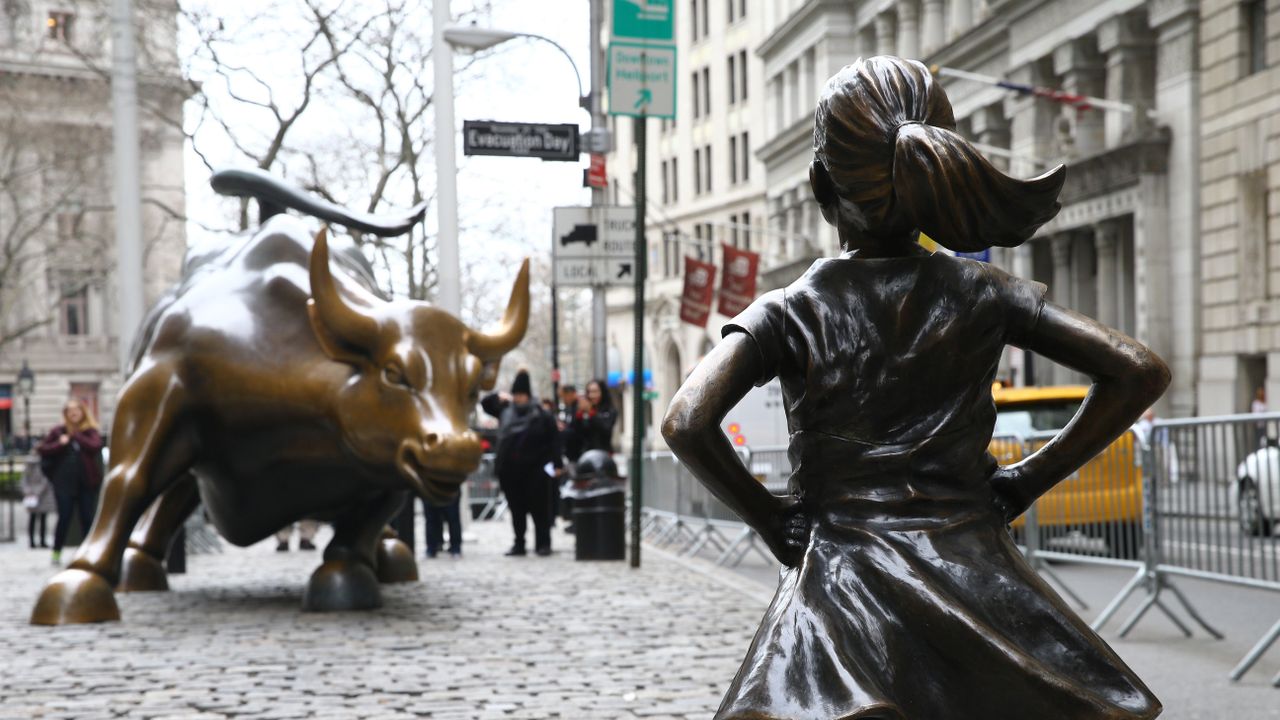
<point x="904" y="597"/>
<point x="911" y="600"/>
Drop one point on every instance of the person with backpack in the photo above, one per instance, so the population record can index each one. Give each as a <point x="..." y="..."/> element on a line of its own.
<point x="527" y="444"/>
<point x="71" y="457"/>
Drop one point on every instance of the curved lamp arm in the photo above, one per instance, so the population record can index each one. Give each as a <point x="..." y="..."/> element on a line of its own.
<point x="477" y="38"/>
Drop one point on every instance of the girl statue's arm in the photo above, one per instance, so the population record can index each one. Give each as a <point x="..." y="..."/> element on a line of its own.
<point x="1127" y="379"/>
<point x="692" y="431"/>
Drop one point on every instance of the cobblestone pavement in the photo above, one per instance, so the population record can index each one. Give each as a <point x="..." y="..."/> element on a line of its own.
<point x="482" y="637"/>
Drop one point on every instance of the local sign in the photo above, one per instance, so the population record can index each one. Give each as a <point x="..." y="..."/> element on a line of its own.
<point x="642" y="80"/>
<point x="506" y="139"/>
<point x="644" y="20"/>
<point x="594" y="246"/>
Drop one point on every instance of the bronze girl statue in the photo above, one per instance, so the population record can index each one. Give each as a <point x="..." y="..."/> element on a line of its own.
<point x="905" y="597"/>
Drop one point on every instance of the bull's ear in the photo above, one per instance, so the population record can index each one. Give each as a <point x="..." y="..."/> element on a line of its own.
<point x="489" y="375"/>
<point x="332" y="346"/>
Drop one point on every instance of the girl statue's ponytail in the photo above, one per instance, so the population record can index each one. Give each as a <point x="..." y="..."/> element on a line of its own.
<point x="885" y="134"/>
<point x="953" y="194"/>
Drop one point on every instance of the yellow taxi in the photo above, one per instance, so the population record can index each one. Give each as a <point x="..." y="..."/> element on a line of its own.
<point x="1102" y="500"/>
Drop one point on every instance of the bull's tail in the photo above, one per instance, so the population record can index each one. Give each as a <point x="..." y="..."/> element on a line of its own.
<point x="274" y="196"/>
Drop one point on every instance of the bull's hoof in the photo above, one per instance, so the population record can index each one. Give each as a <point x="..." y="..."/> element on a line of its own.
<point x="75" y="596"/>
<point x="140" y="572"/>
<point x="395" y="562"/>
<point x="342" y="585"/>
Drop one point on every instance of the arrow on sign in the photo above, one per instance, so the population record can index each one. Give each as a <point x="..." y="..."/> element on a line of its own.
<point x="646" y="97"/>
<point x="623" y="270"/>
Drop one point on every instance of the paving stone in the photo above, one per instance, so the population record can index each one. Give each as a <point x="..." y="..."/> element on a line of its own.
<point x="477" y="639"/>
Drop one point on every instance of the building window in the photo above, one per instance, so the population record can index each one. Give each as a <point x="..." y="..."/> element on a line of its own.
<point x="693" y="18"/>
<point x="675" y="180"/>
<point x="59" y="24"/>
<point x="697" y="96"/>
<point x="742" y="70"/>
<point x="742" y="8"/>
<point x="733" y="77"/>
<point x="746" y="231"/>
<point x="733" y="160"/>
<point x="706" y="91"/>
<point x="706" y="164"/>
<point x="697" y="172"/>
<point x="733" y="11"/>
<point x="74" y="312"/>
<point x="1255" y="28"/>
<point x="706" y="17"/>
<point x="745" y="146"/>
<point x="733" y="230"/>
<point x="666" y="189"/>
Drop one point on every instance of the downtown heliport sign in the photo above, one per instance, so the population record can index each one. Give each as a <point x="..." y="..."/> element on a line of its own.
<point x="642" y="59"/>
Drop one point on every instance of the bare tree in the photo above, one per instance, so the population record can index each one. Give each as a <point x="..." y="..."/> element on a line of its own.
<point x="51" y="203"/>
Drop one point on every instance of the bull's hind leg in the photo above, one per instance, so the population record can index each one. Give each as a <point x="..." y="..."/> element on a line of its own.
<point x="147" y="457"/>
<point x="143" y="567"/>
<point x="348" y="578"/>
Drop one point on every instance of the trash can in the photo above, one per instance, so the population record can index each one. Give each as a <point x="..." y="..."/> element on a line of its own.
<point x="599" y="500"/>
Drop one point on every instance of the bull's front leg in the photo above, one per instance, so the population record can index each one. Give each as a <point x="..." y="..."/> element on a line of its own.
<point x="143" y="566"/>
<point x="348" y="579"/>
<point x="148" y="455"/>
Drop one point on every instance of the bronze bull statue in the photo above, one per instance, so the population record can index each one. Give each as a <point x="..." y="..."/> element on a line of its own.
<point x="274" y="383"/>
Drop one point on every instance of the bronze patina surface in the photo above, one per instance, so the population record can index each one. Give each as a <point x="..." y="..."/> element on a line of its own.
<point x="904" y="596"/>
<point x="274" y="383"/>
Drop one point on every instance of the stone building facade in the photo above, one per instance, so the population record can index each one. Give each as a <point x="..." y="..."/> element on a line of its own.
<point x="56" y="171"/>
<point x="1240" y="169"/>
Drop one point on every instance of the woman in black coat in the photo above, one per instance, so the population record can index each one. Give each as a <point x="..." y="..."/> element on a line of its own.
<point x="593" y="422"/>
<point x="71" y="457"/>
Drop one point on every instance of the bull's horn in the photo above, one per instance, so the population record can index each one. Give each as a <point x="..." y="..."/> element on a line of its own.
<point x="344" y="322"/>
<point x="491" y="347"/>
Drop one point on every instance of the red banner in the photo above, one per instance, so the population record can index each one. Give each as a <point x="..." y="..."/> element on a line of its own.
<point x="699" y="284"/>
<point x="738" y="286"/>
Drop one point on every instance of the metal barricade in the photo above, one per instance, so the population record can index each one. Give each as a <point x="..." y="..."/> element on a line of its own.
<point x="485" y="496"/>
<point x="1216" y="491"/>
<point x="10" y="497"/>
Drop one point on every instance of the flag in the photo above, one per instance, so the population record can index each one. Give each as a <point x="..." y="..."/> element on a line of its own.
<point x="699" y="284"/>
<point x="738" y="284"/>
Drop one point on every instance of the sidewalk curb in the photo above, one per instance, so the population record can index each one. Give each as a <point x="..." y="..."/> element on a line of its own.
<point x="746" y="586"/>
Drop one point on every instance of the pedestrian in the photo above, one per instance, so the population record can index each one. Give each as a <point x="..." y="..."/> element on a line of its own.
<point x="594" y="419"/>
<point x="564" y="418"/>
<point x="71" y="457"/>
<point x="526" y="447"/>
<point x="38" y="499"/>
<point x="436" y="517"/>
<point x="307" y="530"/>
<point x="904" y="595"/>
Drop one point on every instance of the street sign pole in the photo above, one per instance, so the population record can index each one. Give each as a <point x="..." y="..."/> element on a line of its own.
<point x="638" y="416"/>
<point x="599" y="306"/>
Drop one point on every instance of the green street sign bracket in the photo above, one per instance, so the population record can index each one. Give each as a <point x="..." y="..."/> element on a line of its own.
<point x="644" y="20"/>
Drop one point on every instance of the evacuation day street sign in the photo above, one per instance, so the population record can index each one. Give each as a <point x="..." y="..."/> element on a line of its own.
<point x="642" y="80"/>
<point x="644" y="20"/>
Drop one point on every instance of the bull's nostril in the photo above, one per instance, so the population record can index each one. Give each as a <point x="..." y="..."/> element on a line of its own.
<point x="431" y="440"/>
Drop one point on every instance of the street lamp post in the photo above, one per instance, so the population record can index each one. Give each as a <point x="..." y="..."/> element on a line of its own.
<point x="26" y="386"/>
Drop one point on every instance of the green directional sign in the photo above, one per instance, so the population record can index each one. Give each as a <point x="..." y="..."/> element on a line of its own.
<point x="642" y="80"/>
<point x="644" y="20"/>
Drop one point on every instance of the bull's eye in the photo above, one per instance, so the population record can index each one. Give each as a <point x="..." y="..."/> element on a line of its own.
<point x="394" y="375"/>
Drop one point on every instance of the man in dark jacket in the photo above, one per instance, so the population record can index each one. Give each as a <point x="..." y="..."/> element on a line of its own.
<point x="527" y="443"/>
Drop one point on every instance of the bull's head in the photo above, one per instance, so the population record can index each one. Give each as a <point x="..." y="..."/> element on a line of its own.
<point x="417" y="373"/>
